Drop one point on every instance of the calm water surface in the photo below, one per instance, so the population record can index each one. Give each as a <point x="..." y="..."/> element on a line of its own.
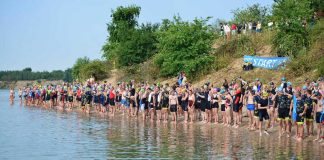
<point x="37" y="133"/>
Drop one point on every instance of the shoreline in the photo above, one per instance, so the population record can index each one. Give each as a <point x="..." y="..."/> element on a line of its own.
<point x="274" y="131"/>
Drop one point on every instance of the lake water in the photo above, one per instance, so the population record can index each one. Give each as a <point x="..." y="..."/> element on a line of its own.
<point x="38" y="133"/>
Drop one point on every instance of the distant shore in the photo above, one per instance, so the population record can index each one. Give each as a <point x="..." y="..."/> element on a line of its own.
<point x="21" y="84"/>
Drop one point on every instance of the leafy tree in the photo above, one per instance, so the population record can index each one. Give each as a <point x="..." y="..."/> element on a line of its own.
<point x="253" y="13"/>
<point x="96" y="69"/>
<point x="184" y="46"/>
<point x="317" y="5"/>
<point x="68" y="75"/>
<point x="28" y="69"/>
<point x="291" y="37"/>
<point x="28" y="74"/>
<point x="129" y="43"/>
<point x="77" y="66"/>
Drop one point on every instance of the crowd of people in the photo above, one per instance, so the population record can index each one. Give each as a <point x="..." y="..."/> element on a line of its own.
<point x="229" y="30"/>
<point x="267" y="106"/>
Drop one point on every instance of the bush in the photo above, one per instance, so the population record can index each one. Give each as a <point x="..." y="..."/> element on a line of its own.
<point x="128" y="43"/>
<point x="96" y="69"/>
<point x="184" y="46"/>
<point x="291" y="37"/>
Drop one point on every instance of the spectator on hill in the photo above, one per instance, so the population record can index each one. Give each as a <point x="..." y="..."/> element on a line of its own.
<point x="234" y="29"/>
<point x="258" y="27"/>
<point x="254" y="25"/>
<point x="239" y="28"/>
<point x="244" y="28"/>
<point x="221" y="29"/>
<point x="250" y="27"/>
<point x="227" y="30"/>
<point x="270" y="25"/>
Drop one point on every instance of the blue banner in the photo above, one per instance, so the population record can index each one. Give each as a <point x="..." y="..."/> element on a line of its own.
<point x="266" y="62"/>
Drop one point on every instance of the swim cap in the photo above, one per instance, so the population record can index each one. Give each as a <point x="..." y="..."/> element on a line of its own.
<point x="283" y="79"/>
<point x="289" y="84"/>
<point x="280" y="89"/>
<point x="304" y="87"/>
<point x="316" y="84"/>
<point x="257" y="79"/>
<point x="222" y="91"/>
<point x="298" y="89"/>
<point x="265" y="94"/>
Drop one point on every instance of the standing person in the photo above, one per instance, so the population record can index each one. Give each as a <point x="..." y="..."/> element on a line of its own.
<point x="173" y="102"/>
<point x="165" y="104"/>
<point x="309" y="113"/>
<point x="300" y="110"/>
<point x="208" y="106"/>
<point x="112" y="97"/>
<point x="151" y="100"/>
<point x="271" y="108"/>
<point x="221" y="27"/>
<point x="133" y="99"/>
<point x="11" y="95"/>
<point x="263" y="114"/>
<point x="319" y="114"/>
<point x="197" y="104"/>
<point x="88" y="98"/>
<point x="250" y="27"/>
<point x="20" y="95"/>
<point x="228" y="104"/>
<point x="70" y="98"/>
<point x="258" y="27"/>
<point x="250" y="107"/>
<point x="223" y="101"/>
<point x="236" y="105"/>
<point x="283" y="114"/>
<point x="184" y="104"/>
<point x="227" y="30"/>
<point x="203" y="96"/>
<point x="145" y="102"/>
<point x="254" y="25"/>
<point x="215" y="104"/>
<point x="158" y="106"/>
<point x="289" y="93"/>
<point x="102" y="101"/>
<point x="234" y="29"/>
<point x="191" y="105"/>
<point x="78" y="96"/>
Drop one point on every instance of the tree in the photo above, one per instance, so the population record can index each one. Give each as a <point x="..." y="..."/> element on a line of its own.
<point x="291" y="37"/>
<point x="253" y="13"/>
<point x="129" y="43"/>
<point x="184" y="46"/>
<point x="77" y="66"/>
<point x="68" y="75"/>
<point x="96" y="69"/>
<point x="28" y="69"/>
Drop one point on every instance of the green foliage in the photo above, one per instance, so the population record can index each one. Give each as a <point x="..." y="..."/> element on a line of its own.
<point x="76" y="69"/>
<point x="184" y="46"/>
<point x="95" y="68"/>
<point x="291" y="37"/>
<point x="313" y="59"/>
<point x="317" y="5"/>
<point x="28" y="74"/>
<point x="128" y="43"/>
<point x="252" y="13"/>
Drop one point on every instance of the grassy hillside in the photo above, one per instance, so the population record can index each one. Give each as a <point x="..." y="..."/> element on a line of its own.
<point x="229" y="59"/>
